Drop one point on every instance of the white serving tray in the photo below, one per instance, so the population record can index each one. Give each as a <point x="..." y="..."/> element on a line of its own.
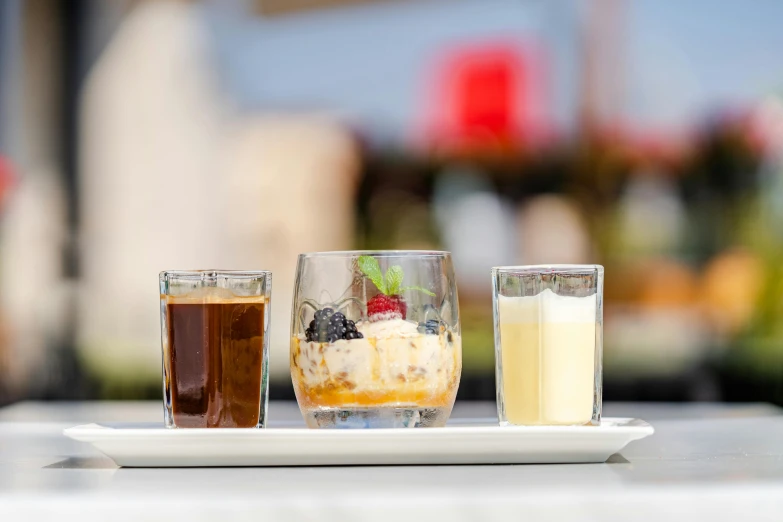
<point x="476" y="441"/>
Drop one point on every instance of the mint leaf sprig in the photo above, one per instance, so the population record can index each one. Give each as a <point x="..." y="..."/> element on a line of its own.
<point x="389" y="284"/>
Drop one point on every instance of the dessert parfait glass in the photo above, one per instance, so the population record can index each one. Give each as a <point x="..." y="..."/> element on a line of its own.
<point x="375" y="339"/>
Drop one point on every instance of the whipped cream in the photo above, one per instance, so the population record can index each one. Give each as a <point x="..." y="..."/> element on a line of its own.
<point x="399" y="328"/>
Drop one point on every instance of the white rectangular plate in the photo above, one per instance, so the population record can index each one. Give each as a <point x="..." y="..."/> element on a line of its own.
<point x="464" y="442"/>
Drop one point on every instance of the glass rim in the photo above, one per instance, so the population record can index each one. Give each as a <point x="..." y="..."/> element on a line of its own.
<point x="553" y="268"/>
<point x="376" y="253"/>
<point x="209" y="274"/>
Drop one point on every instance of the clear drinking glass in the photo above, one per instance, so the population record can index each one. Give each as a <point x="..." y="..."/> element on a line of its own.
<point x="375" y="339"/>
<point x="214" y="327"/>
<point x="548" y="343"/>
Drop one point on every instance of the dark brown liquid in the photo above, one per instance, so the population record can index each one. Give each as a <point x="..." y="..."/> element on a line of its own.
<point x="216" y="363"/>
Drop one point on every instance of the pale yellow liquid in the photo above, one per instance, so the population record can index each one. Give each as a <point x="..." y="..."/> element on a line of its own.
<point x="548" y="369"/>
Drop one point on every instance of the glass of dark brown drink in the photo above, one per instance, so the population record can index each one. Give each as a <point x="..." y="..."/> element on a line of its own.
<point x="214" y="327"/>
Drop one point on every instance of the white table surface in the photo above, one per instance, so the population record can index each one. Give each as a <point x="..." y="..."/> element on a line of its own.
<point x="705" y="462"/>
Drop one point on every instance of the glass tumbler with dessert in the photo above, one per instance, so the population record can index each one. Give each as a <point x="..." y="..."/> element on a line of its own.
<point x="375" y="339"/>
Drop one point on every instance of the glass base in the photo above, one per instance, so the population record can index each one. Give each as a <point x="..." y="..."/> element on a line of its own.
<point x="380" y="417"/>
<point x="504" y="423"/>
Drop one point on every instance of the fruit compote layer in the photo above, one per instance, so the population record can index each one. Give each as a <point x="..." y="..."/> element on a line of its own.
<point x="393" y="365"/>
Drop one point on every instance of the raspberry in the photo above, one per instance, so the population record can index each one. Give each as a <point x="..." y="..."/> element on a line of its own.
<point x="382" y="307"/>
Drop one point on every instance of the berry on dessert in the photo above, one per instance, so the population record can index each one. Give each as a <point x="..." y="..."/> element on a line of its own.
<point x="389" y="304"/>
<point x="431" y="327"/>
<point x="383" y="307"/>
<point x="329" y="326"/>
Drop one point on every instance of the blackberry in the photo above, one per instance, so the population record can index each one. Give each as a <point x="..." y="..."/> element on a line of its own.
<point x="329" y="326"/>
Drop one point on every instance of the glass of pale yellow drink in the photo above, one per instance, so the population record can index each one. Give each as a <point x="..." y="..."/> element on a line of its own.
<point x="548" y="344"/>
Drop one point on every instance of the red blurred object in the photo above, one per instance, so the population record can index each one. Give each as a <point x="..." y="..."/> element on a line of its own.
<point x="487" y="88"/>
<point x="656" y="146"/>
<point x="485" y="95"/>
<point x="7" y="180"/>
<point x="764" y="125"/>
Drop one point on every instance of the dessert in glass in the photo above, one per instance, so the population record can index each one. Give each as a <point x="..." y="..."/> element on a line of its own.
<point x="548" y="344"/>
<point x="214" y="338"/>
<point x="375" y="339"/>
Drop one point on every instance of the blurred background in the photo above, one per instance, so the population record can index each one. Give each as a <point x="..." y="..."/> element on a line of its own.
<point x="647" y="136"/>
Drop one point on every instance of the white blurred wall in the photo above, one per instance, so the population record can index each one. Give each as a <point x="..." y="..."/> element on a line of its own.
<point x="174" y="178"/>
<point x="33" y="229"/>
